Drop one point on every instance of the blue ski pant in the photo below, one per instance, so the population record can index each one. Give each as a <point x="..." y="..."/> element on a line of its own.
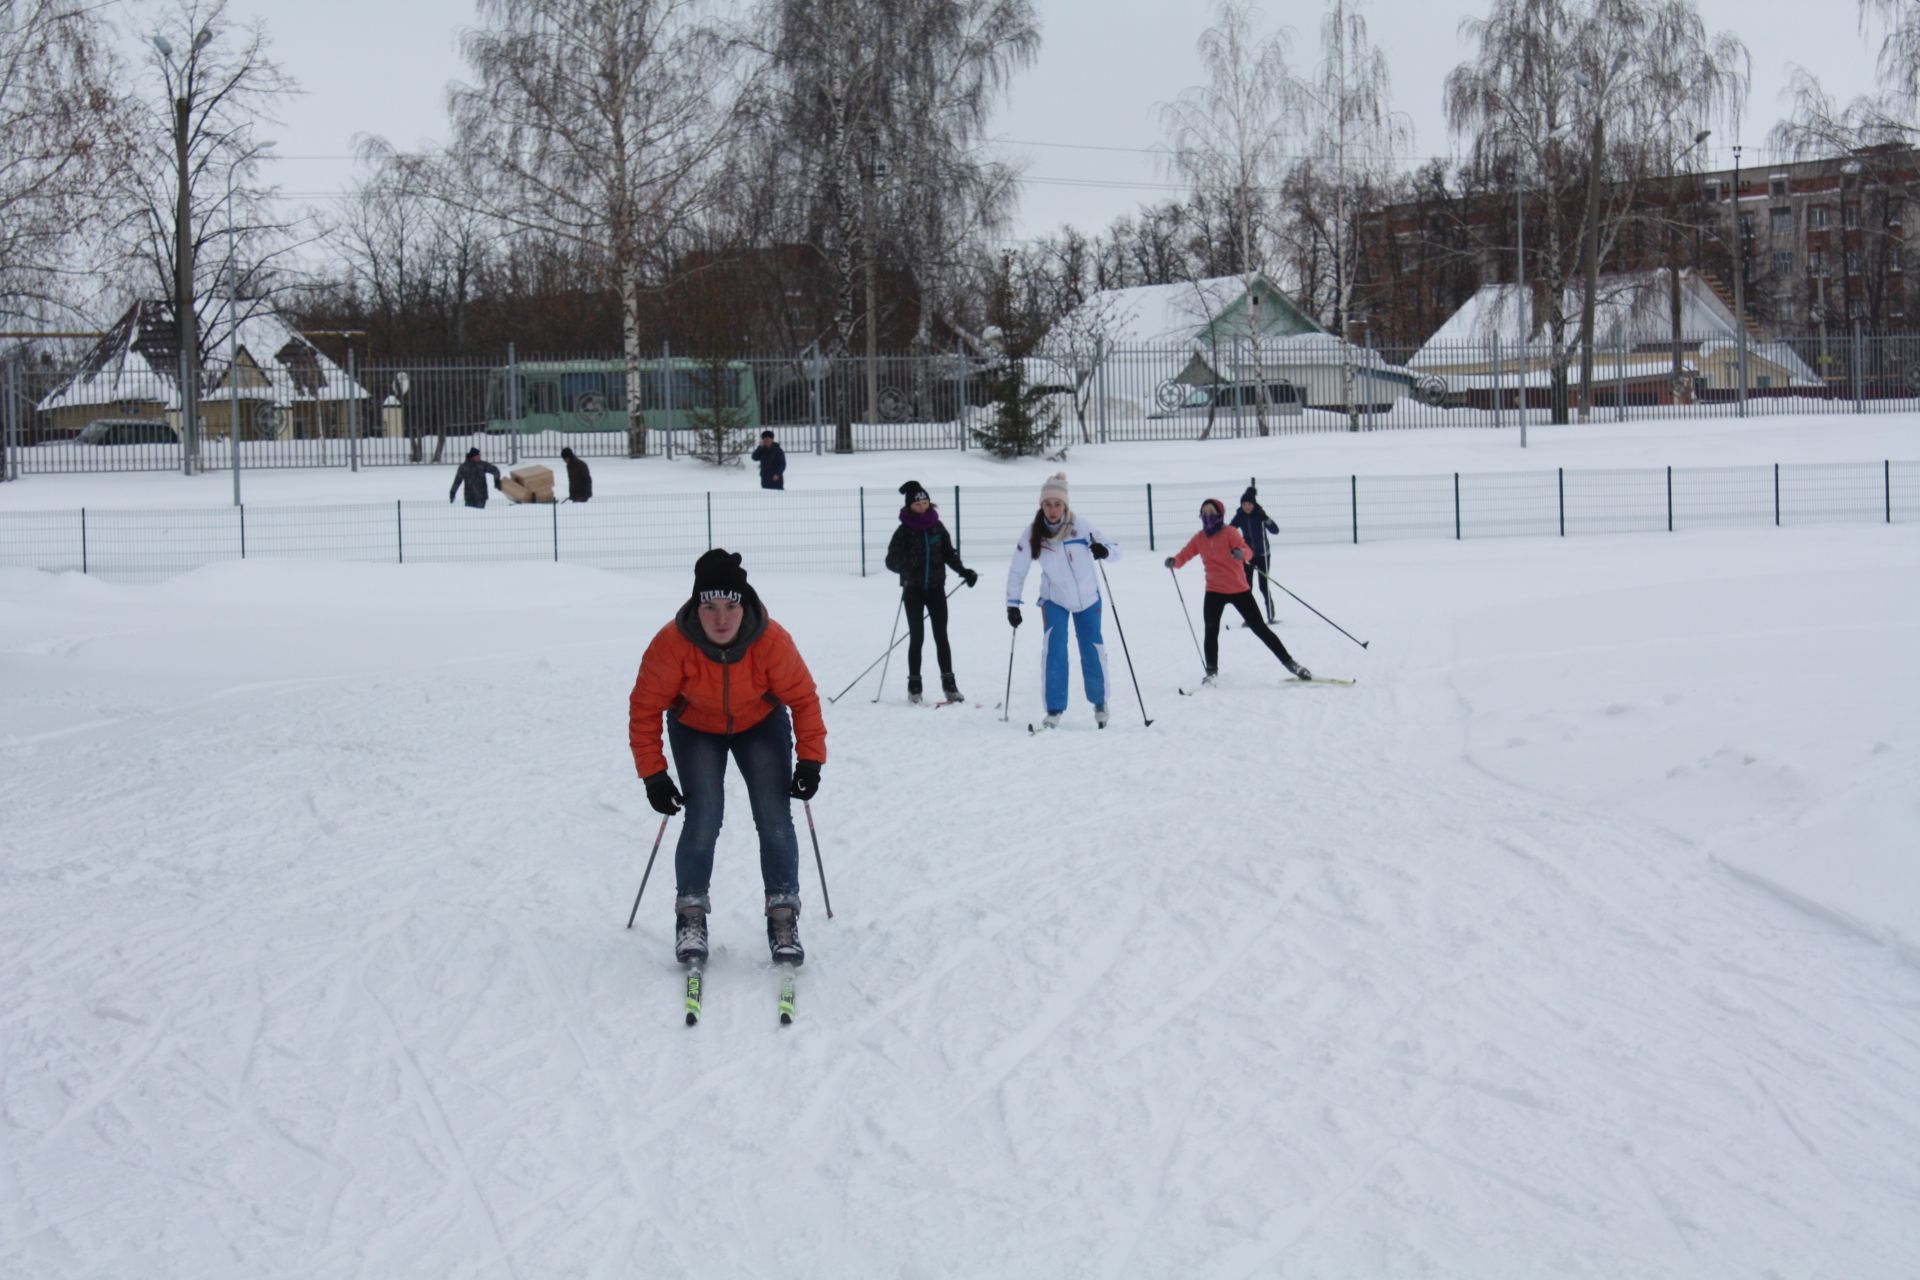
<point x="765" y="756"/>
<point x="1053" y="654"/>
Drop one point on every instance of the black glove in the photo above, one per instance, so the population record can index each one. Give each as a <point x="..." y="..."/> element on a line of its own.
<point x="1013" y="615"/>
<point x="1099" y="551"/>
<point x="806" y="780"/>
<point x="1237" y="554"/>
<point x="969" y="577"/>
<point x="662" y="794"/>
<point x="1170" y="563"/>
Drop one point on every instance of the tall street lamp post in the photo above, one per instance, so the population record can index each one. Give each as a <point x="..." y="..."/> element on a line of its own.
<point x="1739" y="285"/>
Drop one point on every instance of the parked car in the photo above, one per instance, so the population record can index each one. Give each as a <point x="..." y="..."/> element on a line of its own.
<point x="1226" y="400"/>
<point x="127" y="431"/>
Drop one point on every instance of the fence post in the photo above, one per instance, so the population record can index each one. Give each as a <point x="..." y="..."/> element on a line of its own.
<point x="1499" y="386"/>
<point x="1669" y="498"/>
<point x="1859" y="369"/>
<point x="399" y="534"/>
<point x="1776" y="495"/>
<point x="83" y="540"/>
<point x="1886" y="481"/>
<point x="513" y="434"/>
<point x="1150" y="546"/>
<point x="956" y="519"/>
<point x="1619" y="382"/>
<point x="1456" y="506"/>
<point x="9" y="388"/>
<point x="556" y="531"/>
<point x="353" y="413"/>
<point x="1100" y="384"/>
<point x="667" y="398"/>
<point x="243" y="530"/>
<point x="1354" y="483"/>
<point x="960" y="412"/>
<point x="1563" y="500"/>
<point x="710" y="519"/>
<point x="1740" y="334"/>
<point x="863" y="531"/>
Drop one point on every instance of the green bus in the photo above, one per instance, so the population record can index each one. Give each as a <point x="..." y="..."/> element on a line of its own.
<point x="591" y="395"/>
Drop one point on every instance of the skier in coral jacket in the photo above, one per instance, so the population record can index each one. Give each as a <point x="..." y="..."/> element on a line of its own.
<point x="729" y="681"/>
<point x="1223" y="551"/>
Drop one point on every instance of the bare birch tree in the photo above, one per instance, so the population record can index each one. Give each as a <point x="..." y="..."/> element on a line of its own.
<point x="62" y="132"/>
<point x="1228" y="139"/>
<point x="598" y="121"/>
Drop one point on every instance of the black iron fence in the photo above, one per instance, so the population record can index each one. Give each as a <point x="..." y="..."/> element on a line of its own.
<point x="127" y="418"/>
<point x="847" y="530"/>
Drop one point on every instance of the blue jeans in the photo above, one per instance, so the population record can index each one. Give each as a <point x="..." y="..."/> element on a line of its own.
<point x="765" y="756"/>
<point x="1053" y="654"/>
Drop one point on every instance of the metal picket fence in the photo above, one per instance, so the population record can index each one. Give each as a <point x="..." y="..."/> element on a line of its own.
<point x="430" y="412"/>
<point x="840" y="530"/>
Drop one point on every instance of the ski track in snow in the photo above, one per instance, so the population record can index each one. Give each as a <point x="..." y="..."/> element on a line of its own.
<point x="323" y="975"/>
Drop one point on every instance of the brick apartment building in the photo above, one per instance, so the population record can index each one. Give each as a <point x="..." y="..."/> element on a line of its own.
<point x="1823" y="243"/>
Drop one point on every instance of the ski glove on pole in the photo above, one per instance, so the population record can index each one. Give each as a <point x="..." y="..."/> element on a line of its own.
<point x="1169" y="562"/>
<point x="1237" y="554"/>
<point x="662" y="794"/>
<point x="1013" y="615"/>
<point x="806" y="780"/>
<point x="970" y="576"/>
<point x="1099" y="551"/>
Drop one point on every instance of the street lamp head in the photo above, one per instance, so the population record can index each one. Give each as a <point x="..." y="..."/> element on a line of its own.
<point x="200" y="40"/>
<point x="164" y="45"/>
<point x="1702" y="136"/>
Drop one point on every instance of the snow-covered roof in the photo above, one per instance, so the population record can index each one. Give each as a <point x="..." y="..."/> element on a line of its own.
<point x="1168" y="315"/>
<point x="138" y="359"/>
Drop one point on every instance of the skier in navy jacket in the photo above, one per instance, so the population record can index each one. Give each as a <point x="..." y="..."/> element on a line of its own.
<point x="920" y="552"/>
<point x="1254" y="525"/>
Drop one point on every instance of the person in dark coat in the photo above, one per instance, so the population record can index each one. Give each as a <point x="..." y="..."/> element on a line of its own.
<point x="920" y="552"/>
<point x="1254" y="525"/>
<point x="773" y="462"/>
<point x="579" y="479"/>
<point x="473" y="474"/>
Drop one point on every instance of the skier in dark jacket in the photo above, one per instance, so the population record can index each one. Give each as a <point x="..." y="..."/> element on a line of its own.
<point x="920" y="553"/>
<point x="1254" y="525"/>
<point x="473" y="474"/>
<point x="579" y="479"/>
<point x="773" y="462"/>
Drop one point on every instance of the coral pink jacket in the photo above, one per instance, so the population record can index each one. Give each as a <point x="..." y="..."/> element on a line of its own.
<point x="1224" y="574"/>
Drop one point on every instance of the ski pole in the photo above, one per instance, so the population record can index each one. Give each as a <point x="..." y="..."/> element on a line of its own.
<point x="1123" y="647"/>
<point x="890" y="648"/>
<point x="648" y="872"/>
<point x="1316" y="613"/>
<point x="888" y="655"/>
<point x="819" y="866"/>
<point x="1189" y="617"/>
<point x="1006" y="702"/>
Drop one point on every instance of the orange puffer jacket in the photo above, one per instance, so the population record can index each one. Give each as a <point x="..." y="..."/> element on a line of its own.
<point x="1224" y="574"/>
<point x="721" y="691"/>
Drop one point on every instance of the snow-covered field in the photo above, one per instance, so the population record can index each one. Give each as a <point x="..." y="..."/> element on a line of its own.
<point x="1581" y="937"/>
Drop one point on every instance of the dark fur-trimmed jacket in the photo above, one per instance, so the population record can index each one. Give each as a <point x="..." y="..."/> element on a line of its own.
<point x="921" y="557"/>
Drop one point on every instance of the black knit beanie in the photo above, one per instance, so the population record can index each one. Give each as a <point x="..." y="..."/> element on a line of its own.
<point x="473" y="453"/>
<point x="718" y="575"/>
<point x="1251" y="495"/>
<point x="913" y="493"/>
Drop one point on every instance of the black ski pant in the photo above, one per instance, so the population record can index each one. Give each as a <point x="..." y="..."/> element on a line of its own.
<point x="925" y="606"/>
<point x="1259" y="562"/>
<point x="1216" y="604"/>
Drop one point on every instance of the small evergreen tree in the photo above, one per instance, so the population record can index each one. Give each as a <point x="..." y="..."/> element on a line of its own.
<point x="1021" y="422"/>
<point x="721" y="431"/>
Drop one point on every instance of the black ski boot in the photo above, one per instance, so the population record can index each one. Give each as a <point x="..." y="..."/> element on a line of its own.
<point x="950" y="687"/>
<point x="690" y="929"/>
<point x="913" y="690"/>
<point x="783" y="928"/>
<point x="1299" y="672"/>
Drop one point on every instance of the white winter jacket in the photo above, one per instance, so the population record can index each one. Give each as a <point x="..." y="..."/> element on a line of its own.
<point x="1069" y="575"/>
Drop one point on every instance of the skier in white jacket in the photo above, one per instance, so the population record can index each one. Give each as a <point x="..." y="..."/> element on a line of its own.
<point x="1067" y="546"/>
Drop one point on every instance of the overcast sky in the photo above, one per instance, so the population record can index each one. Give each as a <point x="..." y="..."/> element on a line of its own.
<point x="1082" y="120"/>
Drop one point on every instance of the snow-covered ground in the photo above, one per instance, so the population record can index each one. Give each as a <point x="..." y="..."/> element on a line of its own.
<point x="1581" y="937"/>
<point x="1821" y="437"/>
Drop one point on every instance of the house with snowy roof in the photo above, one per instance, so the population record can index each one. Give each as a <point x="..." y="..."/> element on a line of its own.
<point x="1499" y="341"/>
<point x="280" y="386"/>
<point x="1202" y="334"/>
